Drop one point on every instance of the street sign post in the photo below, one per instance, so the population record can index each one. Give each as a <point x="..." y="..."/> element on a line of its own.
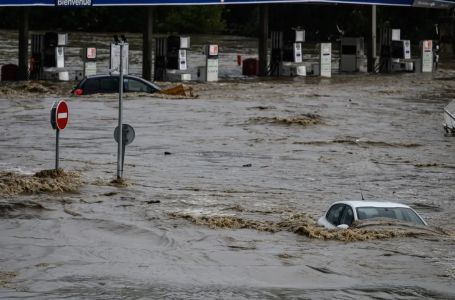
<point x="127" y="138"/>
<point x="120" y="154"/>
<point x="59" y="120"/>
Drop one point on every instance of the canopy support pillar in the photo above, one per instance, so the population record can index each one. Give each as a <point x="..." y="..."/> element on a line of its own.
<point x="23" y="43"/>
<point x="373" y="55"/>
<point x="263" y="36"/>
<point x="147" y="39"/>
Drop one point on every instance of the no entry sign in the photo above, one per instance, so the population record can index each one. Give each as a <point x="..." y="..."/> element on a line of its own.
<point x="59" y="115"/>
<point x="59" y="120"/>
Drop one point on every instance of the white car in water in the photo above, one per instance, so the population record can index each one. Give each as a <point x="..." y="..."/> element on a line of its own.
<point x="449" y="118"/>
<point x="343" y="213"/>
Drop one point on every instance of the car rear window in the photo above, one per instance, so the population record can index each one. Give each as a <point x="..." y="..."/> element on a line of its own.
<point x="398" y="213"/>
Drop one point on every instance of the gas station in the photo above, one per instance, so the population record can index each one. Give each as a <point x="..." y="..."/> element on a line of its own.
<point x="167" y="58"/>
<point x="221" y="191"/>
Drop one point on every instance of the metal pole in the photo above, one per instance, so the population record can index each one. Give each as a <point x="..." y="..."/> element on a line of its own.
<point x="23" y="43"/>
<point x="147" y="48"/>
<point x="373" y="38"/>
<point x="120" y="129"/>
<point x="263" y="36"/>
<point x="57" y="135"/>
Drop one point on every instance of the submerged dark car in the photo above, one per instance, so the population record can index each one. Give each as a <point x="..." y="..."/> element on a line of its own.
<point x="109" y="84"/>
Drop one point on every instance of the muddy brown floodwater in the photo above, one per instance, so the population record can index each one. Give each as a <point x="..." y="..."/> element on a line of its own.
<point x="222" y="192"/>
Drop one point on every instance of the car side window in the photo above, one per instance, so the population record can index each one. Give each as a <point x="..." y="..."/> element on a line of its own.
<point x="133" y="85"/>
<point x="348" y="216"/>
<point x="108" y="85"/>
<point x="334" y="214"/>
<point x="91" y="86"/>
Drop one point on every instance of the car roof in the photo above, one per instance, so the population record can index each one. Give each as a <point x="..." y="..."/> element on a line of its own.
<point x="124" y="76"/>
<point x="362" y="203"/>
<point x="112" y="75"/>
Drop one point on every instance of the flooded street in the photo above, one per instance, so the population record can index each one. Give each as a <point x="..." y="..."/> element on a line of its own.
<point x="261" y="151"/>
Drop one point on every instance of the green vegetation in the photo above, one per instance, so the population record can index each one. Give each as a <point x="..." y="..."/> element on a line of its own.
<point x="320" y="21"/>
<point x="193" y="19"/>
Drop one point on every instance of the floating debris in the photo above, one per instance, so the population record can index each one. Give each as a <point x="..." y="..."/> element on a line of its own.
<point x="180" y="92"/>
<point x="119" y="182"/>
<point x="153" y="201"/>
<point x="6" y="278"/>
<point x="359" y="142"/>
<point x="303" y="120"/>
<point x="304" y="225"/>
<point x="426" y="165"/>
<point x="71" y="212"/>
<point x="261" y="107"/>
<point x="11" y="208"/>
<point x="22" y="88"/>
<point x="46" y="181"/>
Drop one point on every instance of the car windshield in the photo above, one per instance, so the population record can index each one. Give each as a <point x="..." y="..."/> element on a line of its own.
<point x="398" y="213"/>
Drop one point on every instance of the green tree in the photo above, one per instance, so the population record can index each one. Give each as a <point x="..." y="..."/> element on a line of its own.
<point x="193" y="19"/>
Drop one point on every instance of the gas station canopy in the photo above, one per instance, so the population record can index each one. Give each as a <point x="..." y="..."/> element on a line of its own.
<point x="85" y="3"/>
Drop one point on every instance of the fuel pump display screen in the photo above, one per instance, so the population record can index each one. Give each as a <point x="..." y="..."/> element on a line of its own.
<point x="91" y="53"/>
<point x="213" y="50"/>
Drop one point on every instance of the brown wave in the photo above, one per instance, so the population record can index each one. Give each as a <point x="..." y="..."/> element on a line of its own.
<point x="359" y="143"/>
<point x="304" y="225"/>
<point x="46" y="181"/>
<point x="303" y="120"/>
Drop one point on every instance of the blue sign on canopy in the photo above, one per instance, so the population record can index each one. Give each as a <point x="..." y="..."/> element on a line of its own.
<point x="84" y="3"/>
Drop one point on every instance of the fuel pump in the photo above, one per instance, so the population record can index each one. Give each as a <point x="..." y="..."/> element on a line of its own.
<point x="176" y="52"/>
<point x="352" y="55"/>
<point x="210" y="71"/>
<point x="48" y="56"/>
<point x="177" y="58"/>
<point x="385" y="58"/>
<point x="89" y="60"/>
<point x="37" y="58"/>
<point x="160" y="59"/>
<point x="427" y="56"/>
<point x="395" y="52"/>
<point x="287" y="51"/>
<point x="293" y="44"/>
<point x="276" y="57"/>
<point x="325" y="60"/>
<point x="54" y="56"/>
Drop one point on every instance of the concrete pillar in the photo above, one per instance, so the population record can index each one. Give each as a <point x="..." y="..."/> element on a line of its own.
<point x="23" y="43"/>
<point x="263" y="36"/>
<point x="147" y="62"/>
<point x="373" y="55"/>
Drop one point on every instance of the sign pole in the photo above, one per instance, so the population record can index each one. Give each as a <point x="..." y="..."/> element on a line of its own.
<point x="57" y="136"/>
<point x="120" y="96"/>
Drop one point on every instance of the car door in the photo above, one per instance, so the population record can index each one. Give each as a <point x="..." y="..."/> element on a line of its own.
<point x="348" y="216"/>
<point x="109" y="85"/>
<point x="335" y="213"/>
<point x="91" y="86"/>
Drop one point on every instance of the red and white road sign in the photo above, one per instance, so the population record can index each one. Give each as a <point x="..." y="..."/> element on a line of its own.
<point x="61" y="115"/>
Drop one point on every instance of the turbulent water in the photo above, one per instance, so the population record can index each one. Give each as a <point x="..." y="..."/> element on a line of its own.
<point x="257" y="152"/>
